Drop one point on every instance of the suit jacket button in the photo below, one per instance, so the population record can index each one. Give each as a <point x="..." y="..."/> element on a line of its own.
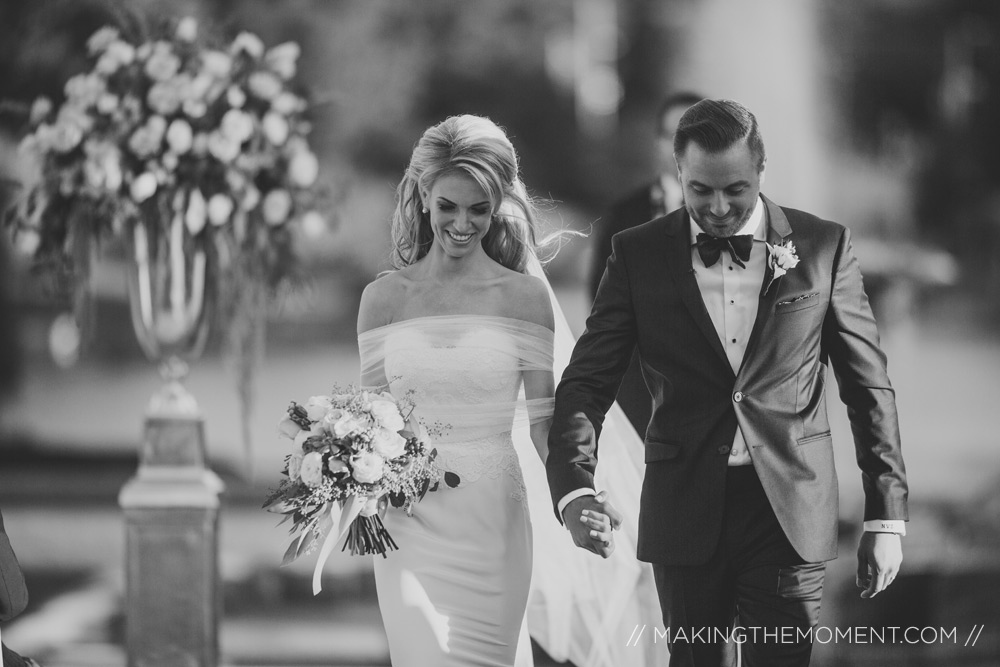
<point x="724" y="449"/>
<point x="738" y="396"/>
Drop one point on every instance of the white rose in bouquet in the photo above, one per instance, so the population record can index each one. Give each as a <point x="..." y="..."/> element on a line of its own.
<point x="347" y="425"/>
<point x="388" y="444"/>
<point x="289" y="428"/>
<point x="367" y="467"/>
<point x="311" y="470"/>
<point x="317" y="407"/>
<point x="387" y="414"/>
<point x="295" y="465"/>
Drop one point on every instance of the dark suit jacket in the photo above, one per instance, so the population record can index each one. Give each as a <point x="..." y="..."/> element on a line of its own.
<point x="814" y="316"/>
<point x="634" y="209"/>
<point x="13" y="592"/>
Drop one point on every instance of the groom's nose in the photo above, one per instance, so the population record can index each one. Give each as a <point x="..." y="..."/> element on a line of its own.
<point x="719" y="204"/>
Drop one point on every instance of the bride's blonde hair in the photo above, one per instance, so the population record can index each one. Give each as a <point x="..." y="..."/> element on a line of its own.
<point x="476" y="147"/>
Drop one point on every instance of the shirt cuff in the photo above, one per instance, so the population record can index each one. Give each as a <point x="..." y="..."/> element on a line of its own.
<point x="573" y="495"/>
<point x="886" y="526"/>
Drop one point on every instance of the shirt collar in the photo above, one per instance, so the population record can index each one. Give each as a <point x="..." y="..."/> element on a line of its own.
<point x="752" y="226"/>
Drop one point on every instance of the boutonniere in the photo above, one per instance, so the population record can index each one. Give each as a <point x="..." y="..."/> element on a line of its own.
<point x="780" y="259"/>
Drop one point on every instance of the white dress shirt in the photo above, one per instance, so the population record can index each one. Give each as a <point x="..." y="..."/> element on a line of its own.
<point x="731" y="294"/>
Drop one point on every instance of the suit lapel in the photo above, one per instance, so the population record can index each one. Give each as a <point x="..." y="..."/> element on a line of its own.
<point x="778" y="230"/>
<point x="679" y="256"/>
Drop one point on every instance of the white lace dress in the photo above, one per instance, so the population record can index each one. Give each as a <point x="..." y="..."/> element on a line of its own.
<point x="456" y="591"/>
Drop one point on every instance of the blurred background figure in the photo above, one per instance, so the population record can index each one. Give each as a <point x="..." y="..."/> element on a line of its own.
<point x="655" y="198"/>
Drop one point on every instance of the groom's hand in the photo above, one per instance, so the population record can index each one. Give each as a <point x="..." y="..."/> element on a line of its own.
<point x="879" y="558"/>
<point x="591" y="520"/>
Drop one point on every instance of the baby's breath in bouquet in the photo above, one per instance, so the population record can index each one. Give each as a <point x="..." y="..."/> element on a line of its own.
<point x="354" y="453"/>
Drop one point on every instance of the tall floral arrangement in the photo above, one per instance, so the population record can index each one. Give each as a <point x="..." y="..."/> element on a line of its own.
<point x="171" y="130"/>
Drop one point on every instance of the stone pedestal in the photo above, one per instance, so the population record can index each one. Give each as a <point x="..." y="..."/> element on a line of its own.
<point x="171" y="508"/>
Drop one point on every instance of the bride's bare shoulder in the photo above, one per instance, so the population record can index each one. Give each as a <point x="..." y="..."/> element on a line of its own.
<point x="381" y="298"/>
<point x="527" y="297"/>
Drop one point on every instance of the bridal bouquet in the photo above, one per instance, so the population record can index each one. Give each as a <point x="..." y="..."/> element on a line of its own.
<point x="354" y="452"/>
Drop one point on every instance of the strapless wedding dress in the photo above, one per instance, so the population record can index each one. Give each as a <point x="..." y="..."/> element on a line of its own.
<point x="455" y="592"/>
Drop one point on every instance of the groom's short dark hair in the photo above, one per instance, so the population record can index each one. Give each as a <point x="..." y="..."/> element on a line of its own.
<point x="716" y="125"/>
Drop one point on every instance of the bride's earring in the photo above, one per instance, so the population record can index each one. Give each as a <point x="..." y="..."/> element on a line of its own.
<point x="425" y="210"/>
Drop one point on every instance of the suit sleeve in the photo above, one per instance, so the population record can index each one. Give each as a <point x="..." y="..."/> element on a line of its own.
<point x="852" y="344"/>
<point x="590" y="382"/>
<point x="13" y="592"/>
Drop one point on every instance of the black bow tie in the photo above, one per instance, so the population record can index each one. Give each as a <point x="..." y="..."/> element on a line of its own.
<point x="710" y="247"/>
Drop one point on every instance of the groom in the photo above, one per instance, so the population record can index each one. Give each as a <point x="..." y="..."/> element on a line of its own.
<point x="736" y="307"/>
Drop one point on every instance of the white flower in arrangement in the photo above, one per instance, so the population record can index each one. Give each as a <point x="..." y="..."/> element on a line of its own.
<point x="163" y="63"/>
<point x="237" y="125"/>
<point x="347" y="425"/>
<point x="311" y="470"/>
<point x="40" y="109"/>
<point x="83" y="90"/>
<point x="388" y="444"/>
<point x="249" y="43"/>
<point x="195" y="216"/>
<point x="289" y="428"/>
<point x="220" y="208"/>
<point x="180" y="136"/>
<point x="222" y="147"/>
<point x="151" y="132"/>
<point x="107" y="103"/>
<point x="283" y="58"/>
<point x="275" y="128"/>
<point x="277" y="206"/>
<point x="143" y="187"/>
<point x="295" y="465"/>
<point x="367" y="467"/>
<point x="303" y="169"/>
<point x="287" y="103"/>
<point x="101" y="39"/>
<point x="187" y="29"/>
<point x="386" y="413"/>
<point x="236" y="97"/>
<point x="317" y="407"/>
<point x="264" y="85"/>
<point x="217" y="64"/>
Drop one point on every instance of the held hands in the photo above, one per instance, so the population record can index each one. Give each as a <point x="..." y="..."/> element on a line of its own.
<point x="591" y="520"/>
<point x="879" y="558"/>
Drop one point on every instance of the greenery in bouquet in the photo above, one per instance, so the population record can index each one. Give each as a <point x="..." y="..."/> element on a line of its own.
<point x="354" y="452"/>
<point x="193" y="139"/>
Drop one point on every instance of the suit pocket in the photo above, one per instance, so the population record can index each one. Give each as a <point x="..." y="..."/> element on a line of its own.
<point x="657" y="450"/>
<point x="797" y="303"/>
<point x="809" y="439"/>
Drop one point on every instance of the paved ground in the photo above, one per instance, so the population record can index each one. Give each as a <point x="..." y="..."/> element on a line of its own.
<point x="67" y="444"/>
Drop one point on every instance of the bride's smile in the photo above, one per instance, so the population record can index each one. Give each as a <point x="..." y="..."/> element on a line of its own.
<point x="460" y="212"/>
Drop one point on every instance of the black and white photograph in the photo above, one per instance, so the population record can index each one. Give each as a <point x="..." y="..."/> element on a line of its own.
<point x="499" y="333"/>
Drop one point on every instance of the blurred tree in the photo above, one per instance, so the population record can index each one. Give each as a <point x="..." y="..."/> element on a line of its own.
<point x="930" y="69"/>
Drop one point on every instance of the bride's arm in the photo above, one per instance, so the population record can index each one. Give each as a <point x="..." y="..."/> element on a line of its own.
<point x="539" y="385"/>
<point x="373" y="312"/>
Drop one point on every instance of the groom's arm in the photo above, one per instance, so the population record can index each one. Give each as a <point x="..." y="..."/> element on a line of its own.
<point x="850" y="338"/>
<point x="590" y="383"/>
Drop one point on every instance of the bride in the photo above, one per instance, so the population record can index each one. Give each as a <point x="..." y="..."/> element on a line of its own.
<point x="465" y="326"/>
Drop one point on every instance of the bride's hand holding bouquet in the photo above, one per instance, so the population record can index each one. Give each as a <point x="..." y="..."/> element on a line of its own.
<point x="354" y="452"/>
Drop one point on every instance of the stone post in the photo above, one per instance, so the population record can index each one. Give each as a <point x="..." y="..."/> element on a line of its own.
<point x="171" y="507"/>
